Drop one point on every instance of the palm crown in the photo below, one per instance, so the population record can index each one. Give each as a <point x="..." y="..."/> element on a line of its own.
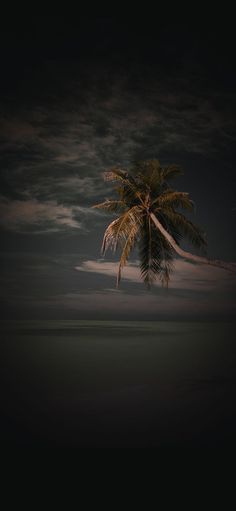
<point x="149" y="218"/>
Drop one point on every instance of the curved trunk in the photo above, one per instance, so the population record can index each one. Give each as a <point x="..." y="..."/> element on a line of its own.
<point x="188" y="255"/>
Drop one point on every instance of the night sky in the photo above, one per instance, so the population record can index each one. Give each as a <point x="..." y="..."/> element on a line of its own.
<point x="78" y="97"/>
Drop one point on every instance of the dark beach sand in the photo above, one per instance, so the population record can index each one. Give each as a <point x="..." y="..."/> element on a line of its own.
<point x="118" y="384"/>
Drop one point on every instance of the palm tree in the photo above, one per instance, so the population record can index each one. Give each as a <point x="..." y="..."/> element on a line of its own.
<point x="149" y="218"/>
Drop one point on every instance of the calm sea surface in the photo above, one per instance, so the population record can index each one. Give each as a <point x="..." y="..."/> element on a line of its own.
<point x="118" y="384"/>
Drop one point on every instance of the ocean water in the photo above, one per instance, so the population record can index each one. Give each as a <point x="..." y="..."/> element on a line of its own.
<point x="118" y="384"/>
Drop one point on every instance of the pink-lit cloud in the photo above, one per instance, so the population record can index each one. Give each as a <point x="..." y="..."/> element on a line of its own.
<point x="17" y="215"/>
<point x="185" y="275"/>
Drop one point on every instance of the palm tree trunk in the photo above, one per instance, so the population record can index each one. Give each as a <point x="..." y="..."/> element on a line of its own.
<point x="188" y="255"/>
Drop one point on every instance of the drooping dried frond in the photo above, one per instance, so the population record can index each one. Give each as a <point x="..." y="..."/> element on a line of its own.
<point x="128" y="246"/>
<point x="118" y="231"/>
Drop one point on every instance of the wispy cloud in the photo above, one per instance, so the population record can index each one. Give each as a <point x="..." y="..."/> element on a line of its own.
<point x="48" y="284"/>
<point x="41" y="216"/>
<point x="194" y="277"/>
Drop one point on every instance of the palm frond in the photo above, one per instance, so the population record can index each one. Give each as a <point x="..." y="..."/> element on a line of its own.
<point x="170" y="226"/>
<point x="118" y="231"/>
<point x="129" y="194"/>
<point x="184" y="226"/>
<point x="148" y="174"/>
<point x="156" y="255"/>
<point x="115" y="174"/>
<point x="128" y="246"/>
<point x="172" y="171"/>
<point x="174" y="199"/>
<point x="111" y="206"/>
<point x="129" y="189"/>
<point x="166" y="269"/>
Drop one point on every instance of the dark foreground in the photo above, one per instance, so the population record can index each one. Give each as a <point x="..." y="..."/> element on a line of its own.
<point x="118" y="384"/>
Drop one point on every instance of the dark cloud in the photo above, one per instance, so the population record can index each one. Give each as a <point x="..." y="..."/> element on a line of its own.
<point x="60" y="155"/>
<point x="100" y="94"/>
